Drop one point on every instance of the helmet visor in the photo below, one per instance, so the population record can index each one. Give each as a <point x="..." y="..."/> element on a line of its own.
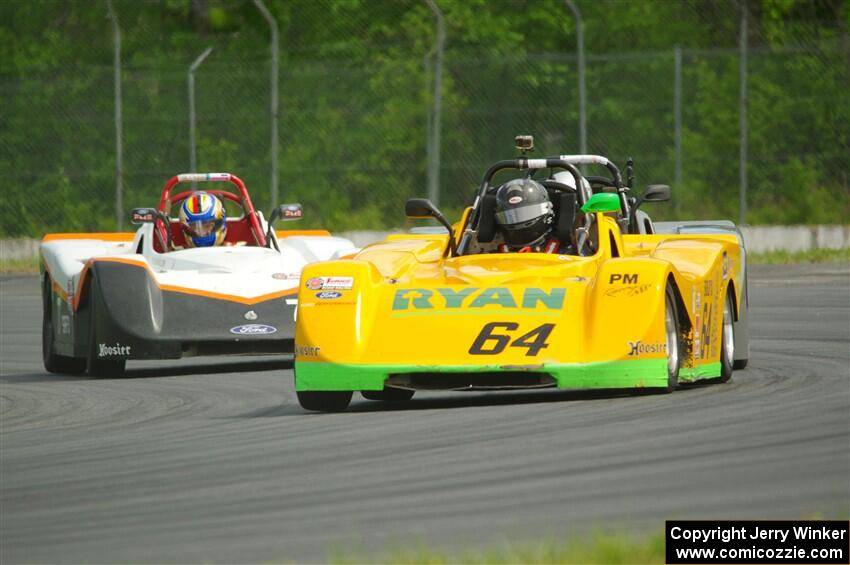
<point x="203" y="228"/>
<point x="523" y="214"/>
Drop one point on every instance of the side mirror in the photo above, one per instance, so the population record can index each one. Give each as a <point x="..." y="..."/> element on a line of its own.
<point x="424" y="208"/>
<point x="140" y="216"/>
<point x="286" y="212"/>
<point x="420" y="208"/>
<point x="602" y="202"/>
<point x="654" y="193"/>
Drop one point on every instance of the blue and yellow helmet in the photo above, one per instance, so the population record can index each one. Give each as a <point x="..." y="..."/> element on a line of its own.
<point x="203" y="219"/>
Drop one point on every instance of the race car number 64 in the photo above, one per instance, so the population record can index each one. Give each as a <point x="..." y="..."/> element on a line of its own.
<point x="489" y="342"/>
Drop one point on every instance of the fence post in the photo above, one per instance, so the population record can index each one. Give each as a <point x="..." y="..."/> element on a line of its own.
<point x="742" y="113"/>
<point x="193" y="157"/>
<point x="429" y="116"/>
<point x="274" y="95"/>
<point x="677" y="122"/>
<point x="119" y="121"/>
<point x="434" y="163"/>
<point x="582" y="115"/>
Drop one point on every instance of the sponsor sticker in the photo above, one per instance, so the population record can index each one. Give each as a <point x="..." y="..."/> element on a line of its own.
<point x="467" y="299"/>
<point x="330" y="283"/>
<point x="623" y="278"/>
<point x="631" y="290"/>
<point x="65" y="324"/>
<point x="515" y="199"/>
<point x="253" y="329"/>
<point x="338" y="283"/>
<point x="117" y="350"/>
<point x="328" y="295"/>
<point x="307" y="350"/>
<point x="639" y="348"/>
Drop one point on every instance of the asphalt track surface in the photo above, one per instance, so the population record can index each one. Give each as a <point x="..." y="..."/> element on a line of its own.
<point x="205" y="460"/>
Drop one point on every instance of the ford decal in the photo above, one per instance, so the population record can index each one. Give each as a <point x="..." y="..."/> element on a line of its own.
<point x="253" y="329"/>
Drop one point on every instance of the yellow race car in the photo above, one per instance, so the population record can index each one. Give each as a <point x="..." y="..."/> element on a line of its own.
<point x="618" y="305"/>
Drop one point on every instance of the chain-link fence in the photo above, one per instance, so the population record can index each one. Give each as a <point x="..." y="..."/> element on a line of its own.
<point x="354" y="129"/>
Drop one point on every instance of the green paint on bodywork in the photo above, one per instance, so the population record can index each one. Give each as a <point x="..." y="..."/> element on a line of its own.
<point x="602" y="202"/>
<point x="421" y="298"/>
<point x="454" y="299"/>
<point x="496" y="295"/>
<point x="482" y="312"/>
<point x="554" y="300"/>
<point x="707" y="371"/>
<point x="640" y="373"/>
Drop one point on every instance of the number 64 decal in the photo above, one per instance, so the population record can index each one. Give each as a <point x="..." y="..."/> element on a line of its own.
<point x="489" y="342"/>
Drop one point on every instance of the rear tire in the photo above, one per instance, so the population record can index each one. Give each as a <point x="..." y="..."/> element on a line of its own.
<point x="53" y="362"/>
<point x="324" y="401"/>
<point x="727" y="340"/>
<point x="388" y="394"/>
<point x="673" y="339"/>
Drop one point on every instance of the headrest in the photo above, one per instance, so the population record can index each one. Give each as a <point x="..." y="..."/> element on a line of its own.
<point x="487" y="222"/>
<point x="566" y="215"/>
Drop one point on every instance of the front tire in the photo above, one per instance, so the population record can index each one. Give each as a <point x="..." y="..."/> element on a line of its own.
<point x="53" y="362"/>
<point x="324" y="401"/>
<point x="673" y="339"/>
<point x="96" y="366"/>
<point x="727" y="340"/>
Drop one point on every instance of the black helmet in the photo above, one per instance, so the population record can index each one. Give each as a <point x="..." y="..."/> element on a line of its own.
<point x="523" y="211"/>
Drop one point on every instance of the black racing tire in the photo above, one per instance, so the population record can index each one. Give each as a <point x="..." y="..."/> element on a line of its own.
<point x="324" y="401"/>
<point x="95" y="366"/>
<point x="673" y="334"/>
<point x="388" y="394"/>
<point x="740" y="364"/>
<point x="727" y="340"/>
<point x="53" y="362"/>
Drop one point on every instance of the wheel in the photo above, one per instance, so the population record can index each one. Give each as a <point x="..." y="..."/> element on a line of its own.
<point x="53" y="362"/>
<point x="324" y="401"/>
<point x="673" y="339"/>
<point x="388" y="394"/>
<point x="727" y="341"/>
<point x="100" y="367"/>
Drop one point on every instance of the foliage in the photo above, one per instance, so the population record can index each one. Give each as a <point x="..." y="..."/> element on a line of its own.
<point x="356" y="95"/>
<point x="600" y="548"/>
<point x="790" y="257"/>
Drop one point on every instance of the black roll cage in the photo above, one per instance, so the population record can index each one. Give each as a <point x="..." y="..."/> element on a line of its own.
<point x="566" y="162"/>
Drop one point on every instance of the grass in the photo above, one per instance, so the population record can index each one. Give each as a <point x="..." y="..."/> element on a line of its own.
<point x="810" y="256"/>
<point x="600" y="548"/>
<point x="18" y="266"/>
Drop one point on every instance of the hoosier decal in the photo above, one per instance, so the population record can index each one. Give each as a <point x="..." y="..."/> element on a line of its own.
<point x="473" y="297"/>
<point x="117" y="350"/>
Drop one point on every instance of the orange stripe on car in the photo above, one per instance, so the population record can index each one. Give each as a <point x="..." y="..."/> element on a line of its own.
<point x="180" y="289"/>
<point x="126" y="236"/>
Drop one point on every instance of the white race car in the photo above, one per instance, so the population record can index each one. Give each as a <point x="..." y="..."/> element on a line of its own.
<point x="109" y="297"/>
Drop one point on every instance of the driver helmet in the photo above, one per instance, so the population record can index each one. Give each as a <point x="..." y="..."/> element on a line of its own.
<point x="523" y="212"/>
<point x="203" y="219"/>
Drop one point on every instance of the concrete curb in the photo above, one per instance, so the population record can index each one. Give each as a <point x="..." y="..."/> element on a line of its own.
<point x="758" y="238"/>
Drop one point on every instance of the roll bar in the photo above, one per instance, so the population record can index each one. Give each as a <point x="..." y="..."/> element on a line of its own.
<point x="520" y="164"/>
<point x="244" y="199"/>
